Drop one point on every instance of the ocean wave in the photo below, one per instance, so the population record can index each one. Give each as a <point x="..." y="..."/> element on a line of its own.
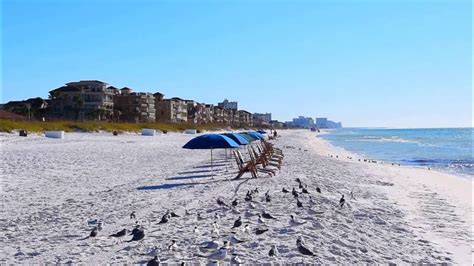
<point x="385" y="139"/>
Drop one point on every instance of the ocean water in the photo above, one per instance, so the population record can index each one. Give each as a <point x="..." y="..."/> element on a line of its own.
<point x="446" y="149"/>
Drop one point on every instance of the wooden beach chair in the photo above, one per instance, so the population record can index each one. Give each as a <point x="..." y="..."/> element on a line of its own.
<point x="243" y="166"/>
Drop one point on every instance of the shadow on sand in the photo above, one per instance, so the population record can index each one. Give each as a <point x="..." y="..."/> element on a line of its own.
<point x="194" y="172"/>
<point x="187" y="177"/>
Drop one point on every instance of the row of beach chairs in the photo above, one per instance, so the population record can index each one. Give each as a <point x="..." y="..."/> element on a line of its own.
<point x="263" y="158"/>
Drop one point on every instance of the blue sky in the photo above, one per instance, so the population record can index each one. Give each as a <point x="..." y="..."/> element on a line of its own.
<point x="365" y="63"/>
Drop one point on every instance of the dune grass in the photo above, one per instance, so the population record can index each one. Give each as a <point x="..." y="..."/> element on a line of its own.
<point x="94" y="126"/>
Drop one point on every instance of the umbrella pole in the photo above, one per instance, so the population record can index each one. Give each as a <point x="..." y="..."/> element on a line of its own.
<point x="212" y="171"/>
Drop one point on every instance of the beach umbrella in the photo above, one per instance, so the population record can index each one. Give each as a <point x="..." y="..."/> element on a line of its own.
<point x="262" y="131"/>
<point x="256" y="135"/>
<point x="247" y="136"/>
<point x="239" y="139"/>
<point x="210" y="142"/>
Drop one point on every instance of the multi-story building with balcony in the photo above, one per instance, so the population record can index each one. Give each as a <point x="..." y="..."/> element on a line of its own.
<point x="135" y="106"/>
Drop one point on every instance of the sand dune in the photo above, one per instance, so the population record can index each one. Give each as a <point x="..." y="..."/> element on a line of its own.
<point x="53" y="190"/>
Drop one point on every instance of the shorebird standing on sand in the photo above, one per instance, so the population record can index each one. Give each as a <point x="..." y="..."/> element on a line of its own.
<point x="132" y="215"/>
<point x="273" y="251"/>
<point x="154" y="262"/>
<point x="138" y="234"/>
<point x="94" y="232"/>
<point x="237" y="222"/>
<point x="342" y="201"/>
<point x="302" y="249"/>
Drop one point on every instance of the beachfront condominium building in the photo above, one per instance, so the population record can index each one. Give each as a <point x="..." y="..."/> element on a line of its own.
<point x="221" y="115"/>
<point x="85" y="99"/>
<point x="172" y="110"/>
<point x="303" y="122"/>
<point x="228" y="105"/>
<point x="262" y="119"/>
<point x="244" y="119"/>
<point x="323" y="122"/>
<point x="134" y="106"/>
<point x="33" y="108"/>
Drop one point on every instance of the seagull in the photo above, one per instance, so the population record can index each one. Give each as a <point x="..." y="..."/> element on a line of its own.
<point x="235" y="203"/>
<point x="246" y="229"/>
<point x="165" y="218"/>
<point x="236" y="260"/>
<point x="294" y="193"/>
<point x="196" y="230"/>
<point x="251" y="205"/>
<point x="199" y="217"/>
<point x="209" y="245"/>
<point x="154" y="262"/>
<point x="136" y="229"/>
<point x="173" y="245"/>
<point x="248" y="197"/>
<point x="221" y="203"/>
<point x="342" y="201"/>
<point x="260" y="219"/>
<point x="237" y="222"/>
<point x="220" y="254"/>
<point x="234" y="240"/>
<point x="216" y="216"/>
<point x="284" y="190"/>
<point x="273" y="251"/>
<point x="299" y="204"/>
<point x="267" y="198"/>
<point x="187" y="212"/>
<point x="267" y="216"/>
<point x="318" y="190"/>
<point x="294" y="222"/>
<point x="174" y="215"/>
<point x="259" y="231"/>
<point x="132" y="215"/>
<point x="138" y="235"/>
<point x="215" y="229"/>
<point x="302" y="249"/>
<point x="93" y="232"/>
<point x="119" y="234"/>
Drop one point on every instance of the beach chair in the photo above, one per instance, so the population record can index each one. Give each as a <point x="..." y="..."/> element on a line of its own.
<point x="270" y="155"/>
<point x="243" y="166"/>
<point x="264" y="159"/>
<point x="261" y="160"/>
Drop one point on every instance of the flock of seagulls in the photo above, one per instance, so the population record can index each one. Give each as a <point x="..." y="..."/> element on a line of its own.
<point x="218" y="251"/>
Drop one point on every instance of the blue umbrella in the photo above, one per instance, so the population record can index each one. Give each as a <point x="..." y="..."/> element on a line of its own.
<point x="210" y="142"/>
<point x="256" y="135"/>
<point x="262" y="131"/>
<point x="237" y="138"/>
<point x="247" y="136"/>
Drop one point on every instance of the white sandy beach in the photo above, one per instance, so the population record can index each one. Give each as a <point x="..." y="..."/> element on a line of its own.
<point x="51" y="189"/>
